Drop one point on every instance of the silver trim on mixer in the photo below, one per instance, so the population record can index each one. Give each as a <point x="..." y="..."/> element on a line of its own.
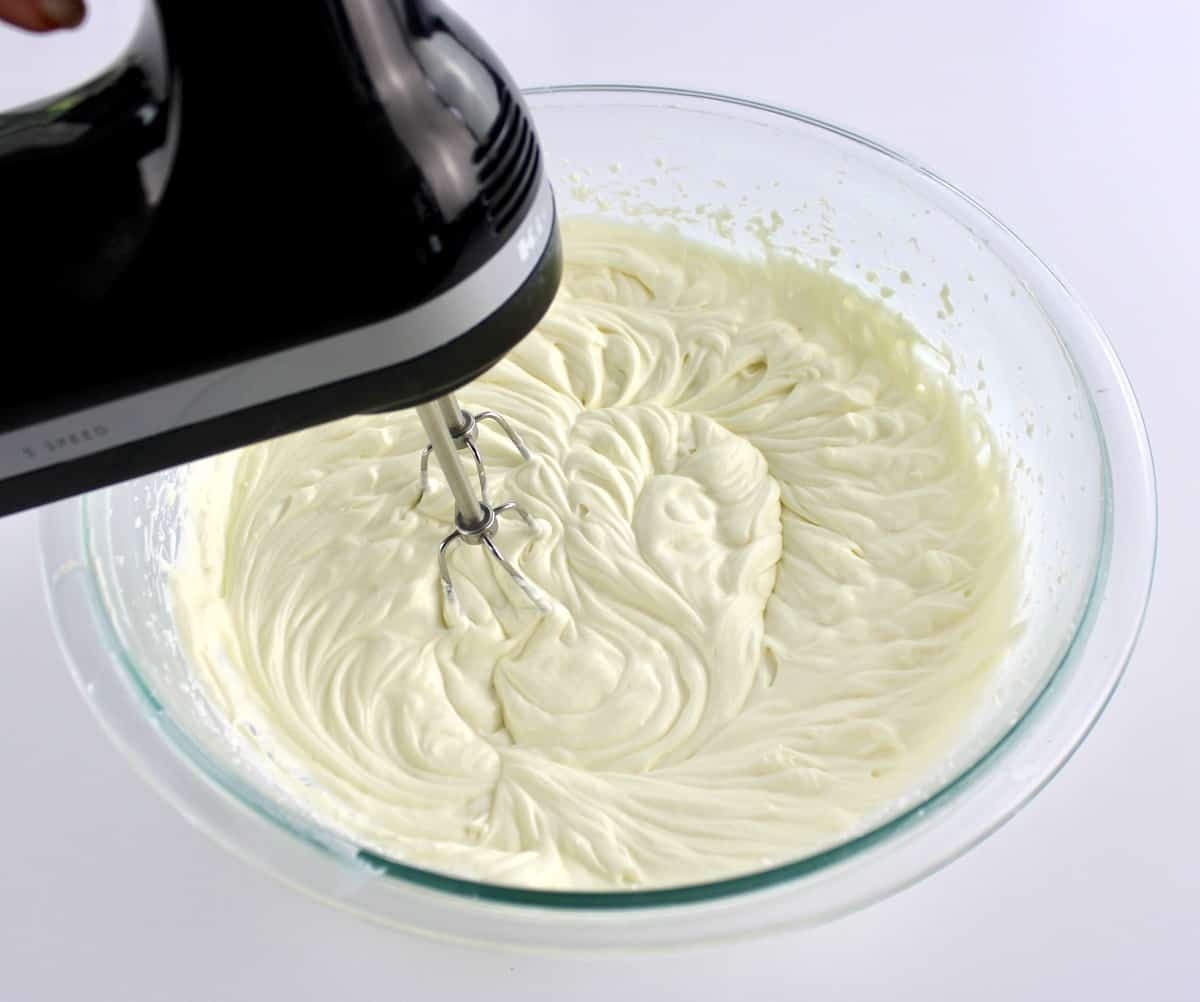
<point x="269" y="377"/>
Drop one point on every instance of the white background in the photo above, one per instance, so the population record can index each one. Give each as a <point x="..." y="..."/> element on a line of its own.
<point x="1076" y="123"/>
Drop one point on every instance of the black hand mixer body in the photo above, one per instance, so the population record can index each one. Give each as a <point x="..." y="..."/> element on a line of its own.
<point x="259" y="220"/>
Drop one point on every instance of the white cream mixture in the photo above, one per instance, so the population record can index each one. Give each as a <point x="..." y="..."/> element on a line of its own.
<point x="779" y="550"/>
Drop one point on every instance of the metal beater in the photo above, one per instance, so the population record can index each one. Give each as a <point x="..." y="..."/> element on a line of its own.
<point x="452" y="430"/>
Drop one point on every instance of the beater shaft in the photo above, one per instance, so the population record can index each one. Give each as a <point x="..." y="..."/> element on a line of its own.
<point x="467" y="508"/>
<point x="450" y="430"/>
<point x="456" y="419"/>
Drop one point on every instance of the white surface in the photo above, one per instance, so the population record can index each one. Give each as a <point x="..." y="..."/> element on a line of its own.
<point x="1073" y="122"/>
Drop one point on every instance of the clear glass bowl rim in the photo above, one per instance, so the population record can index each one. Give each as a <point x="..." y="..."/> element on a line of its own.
<point x="1139" y="474"/>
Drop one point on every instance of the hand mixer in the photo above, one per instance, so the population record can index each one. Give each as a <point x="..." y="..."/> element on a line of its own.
<point x="260" y="218"/>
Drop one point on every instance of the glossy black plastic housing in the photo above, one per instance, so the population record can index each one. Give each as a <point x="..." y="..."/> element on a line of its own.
<point x="248" y="180"/>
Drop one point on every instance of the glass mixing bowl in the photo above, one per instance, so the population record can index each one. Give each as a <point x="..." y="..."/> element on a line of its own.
<point x="738" y="174"/>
